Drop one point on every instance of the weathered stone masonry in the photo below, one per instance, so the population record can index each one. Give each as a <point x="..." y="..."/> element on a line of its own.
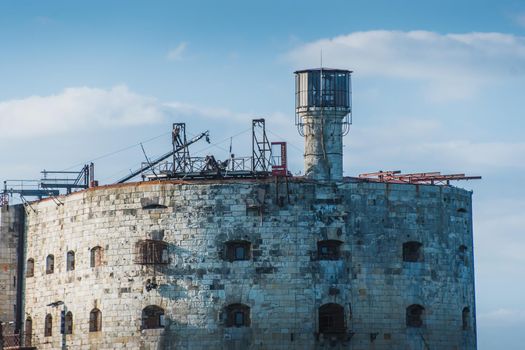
<point x="11" y="245"/>
<point x="285" y="281"/>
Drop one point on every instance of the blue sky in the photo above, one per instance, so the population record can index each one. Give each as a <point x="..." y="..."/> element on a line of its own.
<point x="438" y="86"/>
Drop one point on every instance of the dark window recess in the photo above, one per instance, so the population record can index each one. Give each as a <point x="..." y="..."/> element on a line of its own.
<point x="331" y="319"/>
<point x="238" y="250"/>
<point x="96" y="256"/>
<point x="30" y="268"/>
<point x="152" y="317"/>
<point x="462" y="252"/>
<point x="151" y="252"/>
<point x="462" y="210"/>
<point x="412" y="251"/>
<point x="70" y="261"/>
<point x="50" y="264"/>
<point x="237" y="315"/>
<point x="68" y="323"/>
<point x="329" y="250"/>
<point x="414" y="316"/>
<point x="95" y="320"/>
<point x="465" y="318"/>
<point x="48" y="326"/>
<point x="154" y="206"/>
<point x="29" y="331"/>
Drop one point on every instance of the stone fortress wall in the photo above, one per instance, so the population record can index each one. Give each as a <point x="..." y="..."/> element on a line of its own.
<point x="285" y="280"/>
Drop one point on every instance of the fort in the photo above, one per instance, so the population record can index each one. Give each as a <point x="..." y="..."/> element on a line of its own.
<point x="218" y="257"/>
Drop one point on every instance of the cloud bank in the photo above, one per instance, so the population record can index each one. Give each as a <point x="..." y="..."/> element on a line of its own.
<point x="451" y="66"/>
<point x="77" y="108"/>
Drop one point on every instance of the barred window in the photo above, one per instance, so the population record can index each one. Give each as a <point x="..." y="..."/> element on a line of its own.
<point x="152" y="317"/>
<point x="329" y="249"/>
<point x="331" y="318"/>
<point x="238" y="250"/>
<point x="151" y="252"/>
<point x="237" y="315"/>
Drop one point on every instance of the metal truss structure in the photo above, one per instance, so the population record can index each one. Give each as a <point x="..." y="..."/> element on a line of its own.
<point x="430" y="178"/>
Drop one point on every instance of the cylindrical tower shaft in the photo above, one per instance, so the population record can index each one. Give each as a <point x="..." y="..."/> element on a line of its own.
<point x="323" y="109"/>
<point x="323" y="146"/>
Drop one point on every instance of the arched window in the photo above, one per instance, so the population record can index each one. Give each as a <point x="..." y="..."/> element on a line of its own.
<point x="237" y="315"/>
<point x="412" y="251"/>
<point x="414" y="315"/>
<point x="28" y="331"/>
<point x="68" y="323"/>
<point x="48" y="326"/>
<point x="238" y="250"/>
<point x="152" y="317"/>
<point x="152" y="252"/>
<point x="30" y="268"/>
<point x="329" y="249"/>
<point x="465" y="317"/>
<point x="96" y="256"/>
<point x="50" y="264"/>
<point x="151" y="203"/>
<point x="70" y="261"/>
<point x="331" y="318"/>
<point x="95" y="320"/>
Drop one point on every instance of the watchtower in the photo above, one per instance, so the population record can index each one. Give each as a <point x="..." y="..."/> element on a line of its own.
<point x="323" y="109"/>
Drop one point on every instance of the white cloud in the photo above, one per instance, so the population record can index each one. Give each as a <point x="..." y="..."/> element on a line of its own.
<point x="424" y="145"/>
<point x="451" y="66"/>
<point x="216" y="113"/>
<point x="77" y="108"/>
<point x="177" y="53"/>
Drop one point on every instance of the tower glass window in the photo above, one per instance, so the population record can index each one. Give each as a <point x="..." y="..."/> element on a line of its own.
<point x="322" y="88"/>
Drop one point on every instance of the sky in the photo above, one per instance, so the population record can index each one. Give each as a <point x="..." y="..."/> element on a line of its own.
<point x="437" y="86"/>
